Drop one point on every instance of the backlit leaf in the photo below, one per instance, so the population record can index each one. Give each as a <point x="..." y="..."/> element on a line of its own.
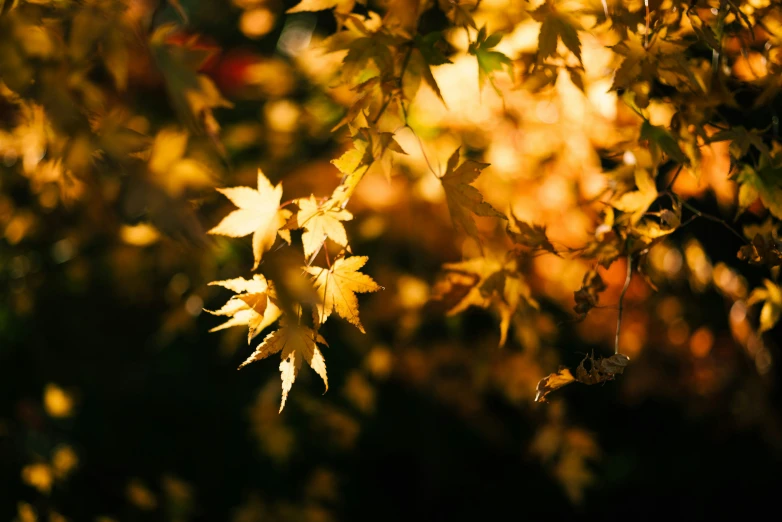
<point x="464" y="199"/>
<point x="295" y="344"/>
<point x="337" y="288"/>
<point x="258" y="214"/>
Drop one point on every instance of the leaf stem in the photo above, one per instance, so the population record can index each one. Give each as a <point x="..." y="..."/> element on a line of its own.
<point x="326" y="251"/>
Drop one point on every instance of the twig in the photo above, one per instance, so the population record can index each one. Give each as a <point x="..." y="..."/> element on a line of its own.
<point x="423" y="152"/>
<point x="621" y="301"/>
<point x="674" y="178"/>
<point x="715" y="219"/>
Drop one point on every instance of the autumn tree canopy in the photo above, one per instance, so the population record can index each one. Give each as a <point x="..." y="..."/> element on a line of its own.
<point x="526" y="194"/>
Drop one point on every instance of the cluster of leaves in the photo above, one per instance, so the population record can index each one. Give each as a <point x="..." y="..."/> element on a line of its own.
<point x="688" y="76"/>
<point x="257" y="304"/>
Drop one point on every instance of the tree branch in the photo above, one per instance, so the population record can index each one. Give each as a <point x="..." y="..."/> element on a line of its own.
<point x="621" y="301"/>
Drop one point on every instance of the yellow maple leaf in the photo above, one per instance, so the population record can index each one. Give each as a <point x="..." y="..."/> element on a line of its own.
<point x="319" y="222"/>
<point x="772" y="308"/>
<point x="337" y="288"/>
<point x="485" y="282"/>
<point x="340" y="6"/>
<point x="258" y="214"/>
<point x="296" y="344"/>
<point x="170" y="169"/>
<point x="352" y="164"/>
<point x="464" y="199"/>
<point x="637" y="202"/>
<point x="253" y="306"/>
<point x="553" y="382"/>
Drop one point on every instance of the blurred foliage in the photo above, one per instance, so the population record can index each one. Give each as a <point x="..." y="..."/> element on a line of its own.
<point x="533" y="194"/>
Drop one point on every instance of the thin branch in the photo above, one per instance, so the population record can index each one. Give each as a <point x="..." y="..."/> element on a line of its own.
<point x="622" y="300"/>
<point x="674" y="178"/>
<point x="715" y="219"/>
<point x="423" y="152"/>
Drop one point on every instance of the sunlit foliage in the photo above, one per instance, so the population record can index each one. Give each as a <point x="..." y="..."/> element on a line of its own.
<point x="544" y="161"/>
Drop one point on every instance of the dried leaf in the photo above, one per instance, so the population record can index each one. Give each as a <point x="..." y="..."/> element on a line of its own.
<point x="588" y="295"/>
<point x="553" y="382"/>
<point x="600" y="370"/>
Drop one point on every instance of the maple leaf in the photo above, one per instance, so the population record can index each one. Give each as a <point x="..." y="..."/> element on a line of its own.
<point x="169" y="169"/>
<point x="319" y="222"/>
<point x="637" y="202"/>
<point x="553" y="382"/>
<point x="297" y="344"/>
<point x="765" y="183"/>
<point x="588" y="295"/>
<point x="254" y="306"/>
<point x="342" y="6"/>
<point x="258" y="214"/>
<point x="485" y="282"/>
<point x="353" y="168"/>
<point x="464" y="199"/>
<point x="765" y="247"/>
<point x="661" y="140"/>
<point x="193" y="95"/>
<point x="771" y="296"/>
<point x="532" y="236"/>
<point x="337" y="288"/>
<point x="459" y="12"/>
<point x="555" y="26"/>
<point x="378" y="149"/>
<point x="424" y="55"/>
<point x="602" y="369"/>
<point x="374" y="48"/>
<point x="489" y="61"/>
<point x="402" y="17"/>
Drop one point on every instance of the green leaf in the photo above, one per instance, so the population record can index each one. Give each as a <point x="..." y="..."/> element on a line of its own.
<point x="489" y="61"/>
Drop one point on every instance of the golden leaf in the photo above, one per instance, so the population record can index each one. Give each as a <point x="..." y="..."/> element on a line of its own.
<point x="319" y="222"/>
<point x="254" y="306"/>
<point x="464" y="199"/>
<point x="553" y="382"/>
<point x="296" y="344"/>
<point x="169" y="168"/>
<point x="602" y="369"/>
<point x="771" y="295"/>
<point x="337" y="287"/>
<point x="485" y="282"/>
<point x="258" y="214"/>
<point x="638" y="201"/>
<point x="342" y="6"/>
